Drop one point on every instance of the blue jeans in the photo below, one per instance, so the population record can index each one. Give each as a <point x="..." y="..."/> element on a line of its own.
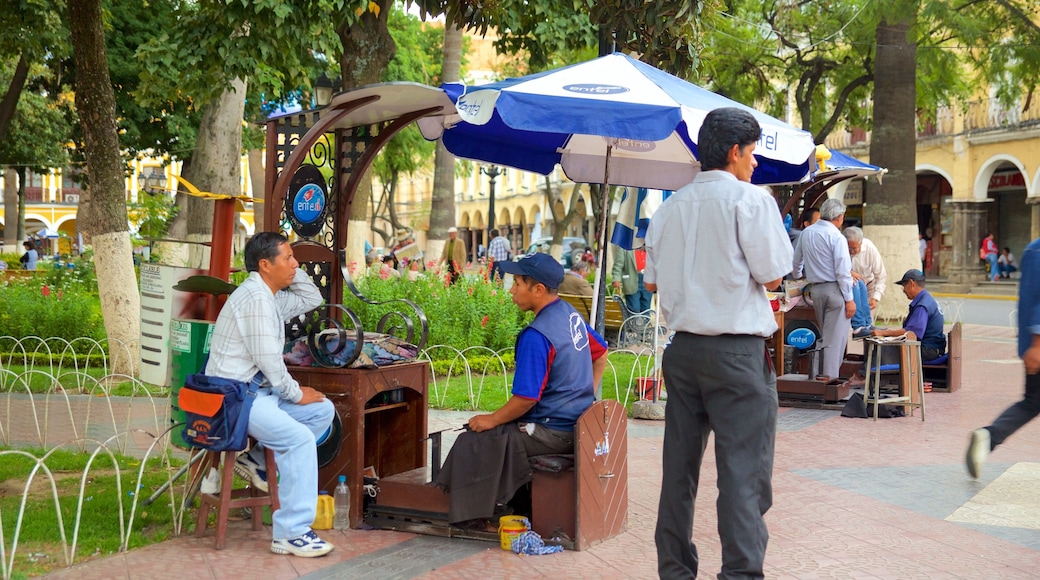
<point x="290" y="430"/>
<point x="859" y="295"/>
<point x="1006" y="270"/>
<point x="993" y="270"/>
<point x="640" y="301"/>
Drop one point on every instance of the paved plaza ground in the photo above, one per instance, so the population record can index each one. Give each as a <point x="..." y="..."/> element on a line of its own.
<point x="853" y="498"/>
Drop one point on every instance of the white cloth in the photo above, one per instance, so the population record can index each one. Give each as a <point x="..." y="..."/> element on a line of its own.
<point x="824" y="254"/>
<point x="868" y="264"/>
<point x="709" y="249"/>
<point x="249" y="334"/>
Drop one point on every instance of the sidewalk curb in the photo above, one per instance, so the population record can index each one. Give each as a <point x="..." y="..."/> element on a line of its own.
<point x="975" y="296"/>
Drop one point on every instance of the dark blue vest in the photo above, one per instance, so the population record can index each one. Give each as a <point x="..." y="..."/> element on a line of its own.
<point x="933" y="330"/>
<point x="569" y="390"/>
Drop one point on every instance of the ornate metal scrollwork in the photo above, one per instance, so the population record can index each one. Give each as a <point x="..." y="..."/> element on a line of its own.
<point x="327" y="338"/>
<point x="395" y="321"/>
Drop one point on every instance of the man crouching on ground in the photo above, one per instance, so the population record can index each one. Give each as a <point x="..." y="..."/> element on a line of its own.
<point x="559" y="361"/>
<point x="248" y="338"/>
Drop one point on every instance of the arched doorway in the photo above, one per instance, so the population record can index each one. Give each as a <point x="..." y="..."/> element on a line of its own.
<point x="935" y="220"/>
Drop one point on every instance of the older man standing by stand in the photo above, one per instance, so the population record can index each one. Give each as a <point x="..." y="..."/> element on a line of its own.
<point x="824" y="255"/>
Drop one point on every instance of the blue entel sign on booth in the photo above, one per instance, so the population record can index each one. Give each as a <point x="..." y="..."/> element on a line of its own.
<point x="802" y="338"/>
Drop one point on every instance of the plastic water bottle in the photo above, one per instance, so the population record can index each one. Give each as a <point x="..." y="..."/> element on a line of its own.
<point x="341" y="496"/>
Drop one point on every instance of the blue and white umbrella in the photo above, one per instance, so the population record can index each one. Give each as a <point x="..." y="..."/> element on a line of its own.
<point x="643" y="120"/>
<point x="613" y="120"/>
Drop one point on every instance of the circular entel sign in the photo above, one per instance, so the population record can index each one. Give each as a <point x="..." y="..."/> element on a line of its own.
<point x="306" y="202"/>
<point x="802" y="338"/>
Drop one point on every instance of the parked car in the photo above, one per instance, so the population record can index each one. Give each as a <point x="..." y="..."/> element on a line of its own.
<point x="542" y="245"/>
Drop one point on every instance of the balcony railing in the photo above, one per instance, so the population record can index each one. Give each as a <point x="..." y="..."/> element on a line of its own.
<point x="979" y="115"/>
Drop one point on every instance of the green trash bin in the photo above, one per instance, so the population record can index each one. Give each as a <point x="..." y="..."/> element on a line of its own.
<point x="189" y="347"/>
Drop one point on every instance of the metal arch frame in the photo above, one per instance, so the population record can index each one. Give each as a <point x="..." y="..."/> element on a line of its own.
<point x="820" y="187"/>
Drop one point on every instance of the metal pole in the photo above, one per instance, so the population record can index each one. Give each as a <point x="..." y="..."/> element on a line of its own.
<point x="492" y="171"/>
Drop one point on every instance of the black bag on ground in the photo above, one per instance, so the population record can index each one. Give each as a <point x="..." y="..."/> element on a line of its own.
<point x="855" y="408"/>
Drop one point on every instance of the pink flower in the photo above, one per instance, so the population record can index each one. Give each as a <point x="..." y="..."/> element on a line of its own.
<point x="470" y="291"/>
<point x="46" y="291"/>
<point x="484" y="321"/>
<point x="494" y="292"/>
<point x="384" y="273"/>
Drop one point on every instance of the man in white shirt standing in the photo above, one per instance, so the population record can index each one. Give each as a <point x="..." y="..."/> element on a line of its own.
<point x="286" y="417"/>
<point x="711" y="251"/>
<point x="824" y="254"/>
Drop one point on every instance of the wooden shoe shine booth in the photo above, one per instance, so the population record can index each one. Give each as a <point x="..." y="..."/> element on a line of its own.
<point x="315" y="162"/>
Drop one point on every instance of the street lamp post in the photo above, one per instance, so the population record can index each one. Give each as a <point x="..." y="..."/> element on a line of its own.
<point x="492" y="171"/>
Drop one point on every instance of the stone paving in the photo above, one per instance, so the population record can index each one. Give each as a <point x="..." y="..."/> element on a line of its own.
<point x="853" y="498"/>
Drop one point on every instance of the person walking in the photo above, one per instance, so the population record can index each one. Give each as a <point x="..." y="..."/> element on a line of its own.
<point x="498" y="252"/>
<point x="721" y="240"/>
<point x="454" y="255"/>
<point x="986" y="439"/>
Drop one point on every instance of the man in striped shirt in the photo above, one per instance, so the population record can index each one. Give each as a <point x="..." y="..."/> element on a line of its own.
<point x="498" y="251"/>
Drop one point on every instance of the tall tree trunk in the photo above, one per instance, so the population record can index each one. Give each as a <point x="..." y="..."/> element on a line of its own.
<point x="14" y="91"/>
<point x="20" y="220"/>
<point x="216" y="166"/>
<point x="256" y="181"/>
<point x="104" y="213"/>
<point x="890" y="215"/>
<point x="442" y="205"/>
<point x="11" y="238"/>
<point x="367" y="50"/>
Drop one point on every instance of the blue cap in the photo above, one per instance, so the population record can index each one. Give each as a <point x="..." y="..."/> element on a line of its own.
<point x="342" y="479"/>
<point x="542" y="267"/>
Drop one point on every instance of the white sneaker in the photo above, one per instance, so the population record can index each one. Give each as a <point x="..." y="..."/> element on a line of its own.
<point x="978" y="450"/>
<point x="308" y="545"/>
<point x="247" y="468"/>
<point x="211" y="483"/>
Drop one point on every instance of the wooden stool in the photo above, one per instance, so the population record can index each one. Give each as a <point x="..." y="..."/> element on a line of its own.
<point x="911" y="375"/>
<point x="228" y="498"/>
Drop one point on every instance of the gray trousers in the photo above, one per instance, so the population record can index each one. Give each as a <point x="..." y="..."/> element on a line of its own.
<point x="724" y="384"/>
<point x="829" y="305"/>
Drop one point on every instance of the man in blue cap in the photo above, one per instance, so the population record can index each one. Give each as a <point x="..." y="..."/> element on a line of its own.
<point x="559" y="360"/>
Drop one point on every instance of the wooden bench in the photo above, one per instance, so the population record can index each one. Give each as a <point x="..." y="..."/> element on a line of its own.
<point x="581" y="504"/>
<point x="946" y="376"/>
<point x="587" y="503"/>
<point x="614" y="312"/>
<point x="13" y="274"/>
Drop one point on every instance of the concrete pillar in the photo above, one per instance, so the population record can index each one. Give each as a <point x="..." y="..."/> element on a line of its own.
<point x="969" y="217"/>
<point x="1034" y="211"/>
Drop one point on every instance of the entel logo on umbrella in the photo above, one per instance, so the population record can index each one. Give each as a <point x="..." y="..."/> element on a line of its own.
<point x="594" y="89"/>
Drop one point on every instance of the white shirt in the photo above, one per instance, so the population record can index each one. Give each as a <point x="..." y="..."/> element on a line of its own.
<point x="824" y="253"/>
<point x="249" y="334"/>
<point x="868" y="263"/>
<point x="709" y="249"/>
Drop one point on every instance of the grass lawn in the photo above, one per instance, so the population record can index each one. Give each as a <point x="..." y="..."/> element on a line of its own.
<point x="39" y="541"/>
<point x="489" y="392"/>
<point x="89" y="380"/>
